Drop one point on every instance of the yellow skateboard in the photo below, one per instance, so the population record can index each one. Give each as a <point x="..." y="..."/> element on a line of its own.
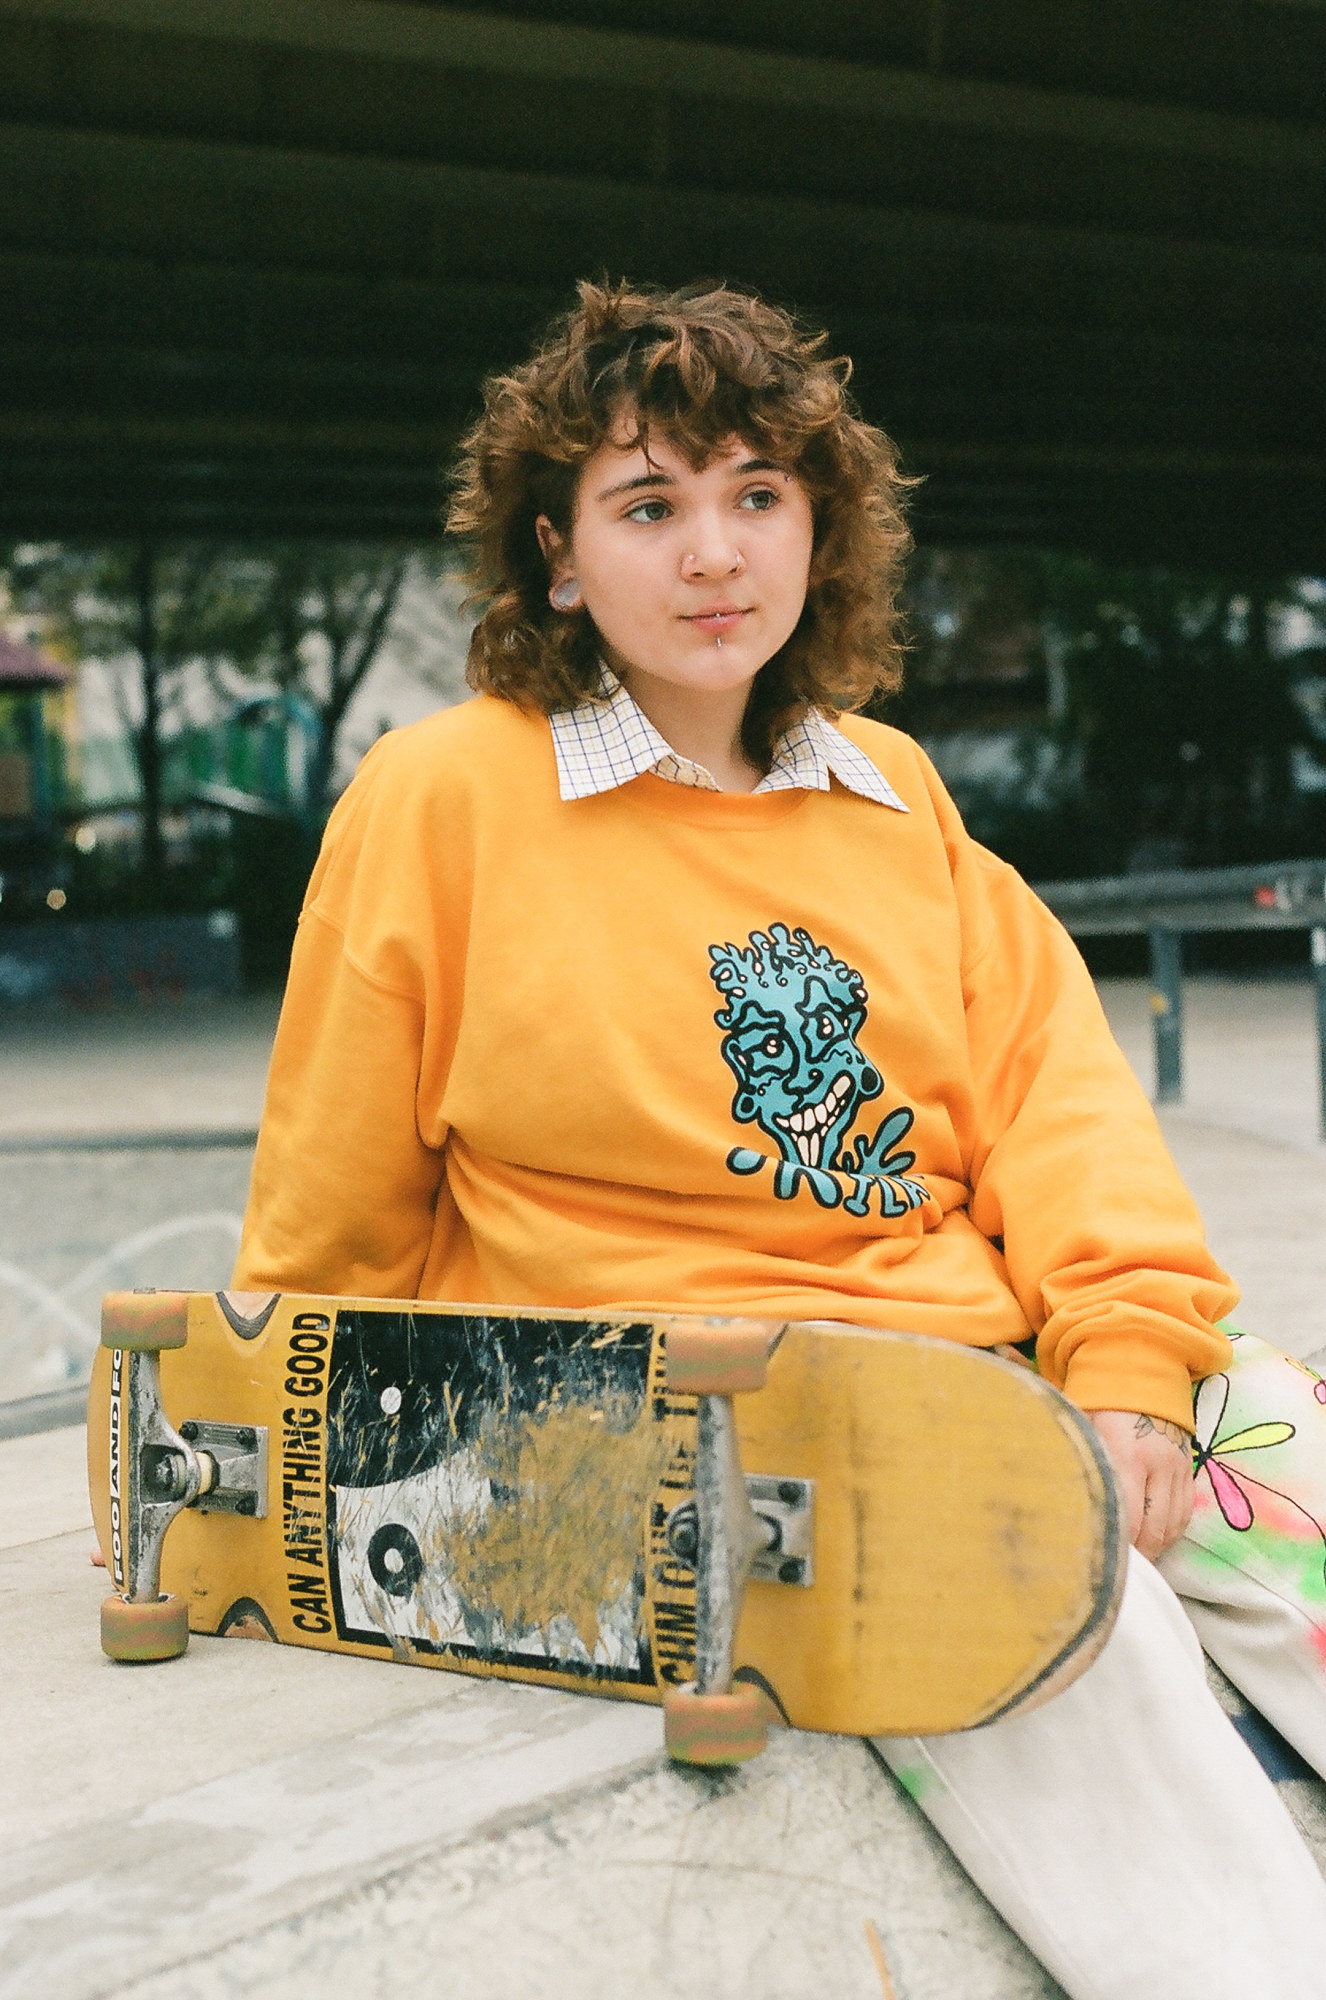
<point x="844" y="1529"/>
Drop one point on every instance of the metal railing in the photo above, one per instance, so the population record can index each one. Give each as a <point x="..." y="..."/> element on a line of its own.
<point x="1279" y="896"/>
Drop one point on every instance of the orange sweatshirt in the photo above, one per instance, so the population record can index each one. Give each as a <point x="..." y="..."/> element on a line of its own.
<point x="791" y="1054"/>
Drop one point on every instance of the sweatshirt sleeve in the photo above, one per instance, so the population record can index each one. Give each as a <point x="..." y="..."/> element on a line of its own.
<point x="1103" y="1244"/>
<point x="346" y="1189"/>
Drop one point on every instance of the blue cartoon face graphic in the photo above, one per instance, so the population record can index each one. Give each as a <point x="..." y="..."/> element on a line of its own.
<point x="792" y="1017"/>
<point x="790" y="1021"/>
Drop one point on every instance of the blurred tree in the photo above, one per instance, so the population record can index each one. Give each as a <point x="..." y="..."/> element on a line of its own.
<point x="1180" y="696"/>
<point x="323" y="615"/>
<point x="156" y="607"/>
<point x="326" y="609"/>
<point x="310" y="618"/>
<point x="283" y="633"/>
<point x="1149" y="717"/>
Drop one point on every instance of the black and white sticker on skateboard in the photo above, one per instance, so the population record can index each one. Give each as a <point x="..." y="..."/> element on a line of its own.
<point x="494" y="1488"/>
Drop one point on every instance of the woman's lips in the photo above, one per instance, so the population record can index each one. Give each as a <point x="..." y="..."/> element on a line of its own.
<point x="717" y="621"/>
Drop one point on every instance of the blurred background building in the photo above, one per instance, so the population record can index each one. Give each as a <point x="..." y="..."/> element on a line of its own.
<point x="256" y="262"/>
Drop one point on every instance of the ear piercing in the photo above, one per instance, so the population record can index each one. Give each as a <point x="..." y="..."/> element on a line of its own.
<point x="565" y="596"/>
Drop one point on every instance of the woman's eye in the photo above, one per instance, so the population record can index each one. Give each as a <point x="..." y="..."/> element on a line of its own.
<point x="649" y="510"/>
<point x="760" y="500"/>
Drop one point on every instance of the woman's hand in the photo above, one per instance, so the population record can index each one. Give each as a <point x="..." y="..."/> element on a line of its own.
<point x="1153" y="1459"/>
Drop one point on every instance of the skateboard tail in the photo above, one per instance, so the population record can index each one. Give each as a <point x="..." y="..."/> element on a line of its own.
<point x="1109" y="1573"/>
<point x="969" y="1550"/>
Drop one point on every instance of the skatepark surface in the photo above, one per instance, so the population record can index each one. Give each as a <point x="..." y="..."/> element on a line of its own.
<point x="256" y="1821"/>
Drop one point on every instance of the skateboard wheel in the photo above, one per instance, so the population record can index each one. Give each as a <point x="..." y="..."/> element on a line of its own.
<point x="142" y="1322"/>
<point x="157" y="1631"/>
<point x="714" y="1728"/>
<point x="719" y="1358"/>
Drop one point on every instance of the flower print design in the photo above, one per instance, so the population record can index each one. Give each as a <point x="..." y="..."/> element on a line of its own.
<point x="1210" y="1450"/>
<point x="1318" y="1386"/>
<point x="1273" y="1531"/>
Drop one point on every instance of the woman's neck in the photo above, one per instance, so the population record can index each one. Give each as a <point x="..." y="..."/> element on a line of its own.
<point x="700" y="724"/>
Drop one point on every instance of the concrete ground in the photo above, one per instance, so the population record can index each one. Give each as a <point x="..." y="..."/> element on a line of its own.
<point x="125" y="1144"/>
<point x="256" y="1821"/>
<point x="1246" y="1139"/>
<point x="178" y="1066"/>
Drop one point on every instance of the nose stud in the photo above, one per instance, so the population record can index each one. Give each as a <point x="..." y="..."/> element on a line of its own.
<point x="690" y="564"/>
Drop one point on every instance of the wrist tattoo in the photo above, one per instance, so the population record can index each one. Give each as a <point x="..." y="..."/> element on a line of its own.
<point x="1144" y="1426"/>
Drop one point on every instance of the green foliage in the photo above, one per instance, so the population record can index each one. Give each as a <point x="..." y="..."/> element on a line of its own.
<point x="204" y="602"/>
<point x="307" y="620"/>
<point x="1149" y="717"/>
<point x="1182" y="703"/>
<point x="324" y="611"/>
<point x="163" y="607"/>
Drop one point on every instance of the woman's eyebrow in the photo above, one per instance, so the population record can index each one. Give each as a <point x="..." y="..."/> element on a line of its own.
<point x="644" y="479"/>
<point x="742" y="471"/>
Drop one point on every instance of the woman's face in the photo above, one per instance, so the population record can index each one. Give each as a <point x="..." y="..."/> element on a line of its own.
<point x="694" y="578"/>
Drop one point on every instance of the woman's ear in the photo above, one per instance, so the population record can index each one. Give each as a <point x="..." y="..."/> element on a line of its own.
<point x="549" y="541"/>
<point x="564" y="589"/>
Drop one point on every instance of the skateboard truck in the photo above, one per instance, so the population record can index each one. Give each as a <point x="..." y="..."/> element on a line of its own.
<point x="732" y="1529"/>
<point x="157" y="1471"/>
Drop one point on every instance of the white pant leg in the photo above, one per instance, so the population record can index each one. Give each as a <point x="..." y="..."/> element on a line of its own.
<point x="1126" y="1833"/>
<point x="1263" y="1640"/>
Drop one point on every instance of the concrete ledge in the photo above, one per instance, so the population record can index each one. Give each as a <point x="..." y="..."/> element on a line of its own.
<point x="188" y="1139"/>
<point x="252" y="1819"/>
<point x="23" y="1416"/>
<point x="757" y="1886"/>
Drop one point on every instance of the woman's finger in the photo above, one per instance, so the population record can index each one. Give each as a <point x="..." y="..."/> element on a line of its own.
<point x="1170" y="1489"/>
<point x="1186" y="1487"/>
<point x="1133" y="1482"/>
<point x="1156" y="1502"/>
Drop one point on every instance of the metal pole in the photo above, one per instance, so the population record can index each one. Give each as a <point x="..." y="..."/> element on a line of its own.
<point x="1319" y="984"/>
<point x="1167" y="1013"/>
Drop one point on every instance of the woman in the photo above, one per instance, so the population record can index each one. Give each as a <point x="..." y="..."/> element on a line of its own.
<point x="654" y="978"/>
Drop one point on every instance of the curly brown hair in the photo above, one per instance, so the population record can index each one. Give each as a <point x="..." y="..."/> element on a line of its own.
<point x="703" y="366"/>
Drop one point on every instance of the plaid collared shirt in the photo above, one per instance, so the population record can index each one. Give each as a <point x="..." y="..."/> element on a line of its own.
<point x="603" y="744"/>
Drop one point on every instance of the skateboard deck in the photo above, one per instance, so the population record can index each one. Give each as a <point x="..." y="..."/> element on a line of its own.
<point x="882" y="1534"/>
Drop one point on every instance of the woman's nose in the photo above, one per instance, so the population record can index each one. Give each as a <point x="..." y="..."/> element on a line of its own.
<point x="713" y="552"/>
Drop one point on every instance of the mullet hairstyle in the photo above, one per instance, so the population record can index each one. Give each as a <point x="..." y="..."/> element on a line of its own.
<point x="700" y="366"/>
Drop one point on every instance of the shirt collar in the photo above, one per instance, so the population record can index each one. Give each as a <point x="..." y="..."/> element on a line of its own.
<point x="603" y="743"/>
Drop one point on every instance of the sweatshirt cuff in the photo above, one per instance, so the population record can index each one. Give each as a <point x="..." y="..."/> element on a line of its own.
<point x="1123" y="1373"/>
